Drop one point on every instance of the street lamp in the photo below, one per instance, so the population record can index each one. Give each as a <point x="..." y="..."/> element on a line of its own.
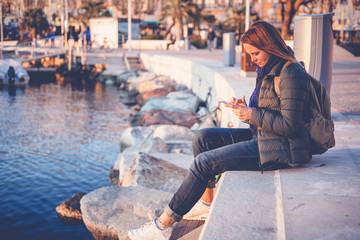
<point x="247" y="15"/>
<point x="66" y="22"/>
<point x="129" y="25"/>
<point x="2" y="31"/>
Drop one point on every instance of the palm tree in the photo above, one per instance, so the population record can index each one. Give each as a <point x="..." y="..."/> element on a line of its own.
<point x="209" y="19"/>
<point x="194" y="15"/>
<point x="176" y="9"/>
<point x="236" y="21"/>
<point x="35" y="20"/>
<point x="91" y="9"/>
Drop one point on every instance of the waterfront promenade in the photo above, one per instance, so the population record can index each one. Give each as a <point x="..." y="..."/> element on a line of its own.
<point x="320" y="200"/>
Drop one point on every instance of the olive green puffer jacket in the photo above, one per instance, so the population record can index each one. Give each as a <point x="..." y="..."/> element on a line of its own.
<point x="282" y="137"/>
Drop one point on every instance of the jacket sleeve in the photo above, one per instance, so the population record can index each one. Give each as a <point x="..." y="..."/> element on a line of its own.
<point x="293" y="85"/>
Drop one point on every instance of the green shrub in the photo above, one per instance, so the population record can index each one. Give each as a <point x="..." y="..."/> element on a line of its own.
<point x="197" y="42"/>
<point x="152" y="37"/>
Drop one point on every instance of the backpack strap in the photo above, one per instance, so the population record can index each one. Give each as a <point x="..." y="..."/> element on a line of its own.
<point x="277" y="79"/>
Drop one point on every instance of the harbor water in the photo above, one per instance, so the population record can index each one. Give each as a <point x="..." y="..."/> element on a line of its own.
<point x="55" y="141"/>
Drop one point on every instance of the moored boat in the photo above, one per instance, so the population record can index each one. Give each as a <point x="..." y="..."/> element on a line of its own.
<point x="13" y="73"/>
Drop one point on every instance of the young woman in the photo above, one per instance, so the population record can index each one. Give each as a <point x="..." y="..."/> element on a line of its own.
<point x="276" y="138"/>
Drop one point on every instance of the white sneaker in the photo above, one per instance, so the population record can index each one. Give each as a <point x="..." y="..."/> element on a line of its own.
<point x="199" y="211"/>
<point x="149" y="231"/>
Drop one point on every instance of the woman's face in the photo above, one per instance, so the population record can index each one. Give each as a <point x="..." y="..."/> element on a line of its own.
<point x="258" y="56"/>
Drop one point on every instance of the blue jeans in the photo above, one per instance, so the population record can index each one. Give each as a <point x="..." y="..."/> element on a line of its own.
<point x="216" y="150"/>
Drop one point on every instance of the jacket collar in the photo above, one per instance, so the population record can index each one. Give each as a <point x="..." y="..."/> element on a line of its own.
<point x="276" y="70"/>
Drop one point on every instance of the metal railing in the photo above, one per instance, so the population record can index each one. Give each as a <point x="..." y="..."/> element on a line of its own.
<point x="35" y="49"/>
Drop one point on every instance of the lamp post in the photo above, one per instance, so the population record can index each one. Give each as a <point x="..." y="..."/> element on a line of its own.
<point x="66" y="22"/>
<point x="129" y="25"/>
<point x="2" y="31"/>
<point x="247" y="15"/>
<point x="342" y="25"/>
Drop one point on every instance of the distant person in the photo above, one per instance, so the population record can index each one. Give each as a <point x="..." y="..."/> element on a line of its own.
<point x="82" y="38"/>
<point x="338" y="42"/>
<point x="11" y="75"/>
<point x="76" y="35"/>
<point x="171" y="41"/>
<point x="70" y="34"/>
<point x="210" y="39"/>
<point x="87" y="37"/>
<point x="11" y="23"/>
<point x="52" y="37"/>
<point x="276" y="138"/>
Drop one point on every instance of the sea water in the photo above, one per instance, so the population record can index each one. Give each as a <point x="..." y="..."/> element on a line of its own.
<point x="55" y="141"/>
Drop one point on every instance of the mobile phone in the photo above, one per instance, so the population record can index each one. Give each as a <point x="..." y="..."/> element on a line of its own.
<point x="223" y="101"/>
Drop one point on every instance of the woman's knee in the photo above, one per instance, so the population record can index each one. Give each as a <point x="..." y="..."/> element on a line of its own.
<point x="199" y="141"/>
<point x="202" y="167"/>
<point x="200" y="135"/>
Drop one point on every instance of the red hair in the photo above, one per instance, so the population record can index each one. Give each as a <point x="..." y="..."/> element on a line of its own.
<point x="266" y="37"/>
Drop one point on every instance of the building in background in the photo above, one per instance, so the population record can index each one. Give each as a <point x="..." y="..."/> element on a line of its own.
<point x="346" y="19"/>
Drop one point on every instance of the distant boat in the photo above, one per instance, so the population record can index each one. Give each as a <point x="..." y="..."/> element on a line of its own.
<point x="13" y="73"/>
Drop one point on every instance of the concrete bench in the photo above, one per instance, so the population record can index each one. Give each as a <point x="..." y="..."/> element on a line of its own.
<point x="320" y="200"/>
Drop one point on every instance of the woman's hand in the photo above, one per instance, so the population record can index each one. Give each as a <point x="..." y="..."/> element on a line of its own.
<point x="243" y="112"/>
<point x="240" y="108"/>
<point x="235" y="101"/>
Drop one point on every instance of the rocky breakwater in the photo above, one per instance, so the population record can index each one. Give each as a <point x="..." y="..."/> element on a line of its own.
<point x="156" y="152"/>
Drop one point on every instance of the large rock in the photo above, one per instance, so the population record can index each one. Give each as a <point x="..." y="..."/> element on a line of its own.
<point x="157" y="83"/>
<point x="127" y="98"/>
<point x="152" y="145"/>
<point x="111" y="210"/>
<point x="160" y="116"/>
<point x="134" y="82"/>
<point x="149" y="145"/>
<point x="69" y="211"/>
<point x="169" y="132"/>
<point x="179" y="159"/>
<point x="121" y="80"/>
<point x="179" y="101"/>
<point x="134" y="135"/>
<point x="151" y="172"/>
<point x="159" y="92"/>
<point x="114" y="175"/>
<point x="180" y="146"/>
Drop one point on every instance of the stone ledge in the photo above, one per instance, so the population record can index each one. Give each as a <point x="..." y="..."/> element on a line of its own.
<point x="318" y="201"/>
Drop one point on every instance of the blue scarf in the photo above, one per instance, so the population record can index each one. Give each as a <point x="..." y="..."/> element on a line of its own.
<point x="261" y="72"/>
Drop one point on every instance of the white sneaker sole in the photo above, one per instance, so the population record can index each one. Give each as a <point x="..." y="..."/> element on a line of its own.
<point x="196" y="218"/>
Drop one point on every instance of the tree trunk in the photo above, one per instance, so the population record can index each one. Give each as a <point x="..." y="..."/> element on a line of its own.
<point x="285" y="28"/>
<point x="325" y="6"/>
<point x="179" y="27"/>
<point x="35" y="36"/>
<point x="168" y="30"/>
<point x="292" y="7"/>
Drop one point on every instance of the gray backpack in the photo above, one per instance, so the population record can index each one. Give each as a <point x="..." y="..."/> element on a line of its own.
<point x="321" y="125"/>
